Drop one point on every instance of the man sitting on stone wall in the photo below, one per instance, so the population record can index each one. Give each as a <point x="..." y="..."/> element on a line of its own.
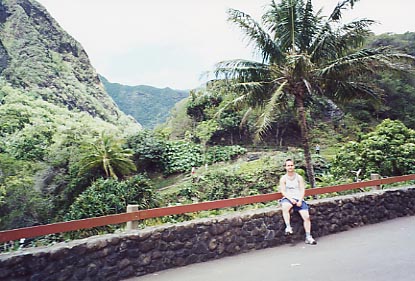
<point x="292" y="187"/>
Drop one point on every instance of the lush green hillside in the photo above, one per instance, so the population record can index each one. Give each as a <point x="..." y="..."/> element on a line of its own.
<point x="398" y="90"/>
<point x="150" y="106"/>
<point x="52" y="103"/>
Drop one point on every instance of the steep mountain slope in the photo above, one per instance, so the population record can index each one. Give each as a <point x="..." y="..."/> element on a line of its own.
<point x="38" y="57"/>
<point x="52" y="104"/>
<point x="150" y="106"/>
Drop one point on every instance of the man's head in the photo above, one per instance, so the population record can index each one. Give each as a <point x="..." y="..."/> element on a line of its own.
<point x="289" y="165"/>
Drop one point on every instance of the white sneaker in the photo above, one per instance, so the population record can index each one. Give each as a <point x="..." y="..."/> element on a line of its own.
<point x="310" y="240"/>
<point x="288" y="230"/>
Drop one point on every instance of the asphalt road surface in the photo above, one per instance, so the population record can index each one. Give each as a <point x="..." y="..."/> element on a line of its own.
<point x="379" y="252"/>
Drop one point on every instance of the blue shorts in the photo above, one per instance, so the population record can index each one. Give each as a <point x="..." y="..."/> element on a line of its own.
<point x="303" y="206"/>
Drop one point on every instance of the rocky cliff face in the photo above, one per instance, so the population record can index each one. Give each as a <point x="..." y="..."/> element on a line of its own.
<point x="39" y="57"/>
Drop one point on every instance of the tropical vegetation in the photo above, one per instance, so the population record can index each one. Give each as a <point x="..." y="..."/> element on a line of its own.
<point x="63" y="160"/>
<point x="388" y="150"/>
<point x="305" y="56"/>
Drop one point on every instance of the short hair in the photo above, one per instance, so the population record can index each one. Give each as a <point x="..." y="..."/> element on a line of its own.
<point x="288" y="159"/>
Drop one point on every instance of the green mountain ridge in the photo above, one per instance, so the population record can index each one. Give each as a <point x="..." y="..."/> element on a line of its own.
<point x="38" y="58"/>
<point x="149" y="105"/>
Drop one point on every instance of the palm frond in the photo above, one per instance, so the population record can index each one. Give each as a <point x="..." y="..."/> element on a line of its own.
<point x="245" y="117"/>
<point x="352" y="35"/>
<point x="332" y="44"/>
<point x="345" y="91"/>
<point x="107" y="154"/>
<point x="334" y="41"/>
<point x="282" y="20"/>
<point x="276" y="102"/>
<point x="308" y="27"/>
<point x="366" y="61"/>
<point x="324" y="45"/>
<point x="256" y="36"/>
<point x="336" y="15"/>
<point x="309" y="87"/>
<point x="243" y="70"/>
<point x="248" y="86"/>
<point x="342" y="76"/>
<point x="235" y="103"/>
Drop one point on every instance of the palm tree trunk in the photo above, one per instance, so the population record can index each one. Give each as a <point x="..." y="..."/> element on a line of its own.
<point x="304" y="139"/>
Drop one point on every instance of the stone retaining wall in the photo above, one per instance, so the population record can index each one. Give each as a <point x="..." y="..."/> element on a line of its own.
<point x="139" y="252"/>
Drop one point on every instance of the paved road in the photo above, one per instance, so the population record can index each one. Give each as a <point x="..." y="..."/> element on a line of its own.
<point x="379" y="252"/>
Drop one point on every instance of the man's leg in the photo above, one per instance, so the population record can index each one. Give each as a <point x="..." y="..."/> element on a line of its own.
<point x="286" y="207"/>
<point x="305" y="215"/>
<point x="306" y="220"/>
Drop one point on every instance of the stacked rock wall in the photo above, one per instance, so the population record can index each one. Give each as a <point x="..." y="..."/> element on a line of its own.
<point x="139" y="252"/>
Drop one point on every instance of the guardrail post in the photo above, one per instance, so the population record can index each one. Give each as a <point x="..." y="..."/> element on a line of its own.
<point x="131" y="224"/>
<point x="375" y="177"/>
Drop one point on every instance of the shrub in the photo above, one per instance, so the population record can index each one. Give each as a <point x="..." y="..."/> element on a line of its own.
<point x="223" y="153"/>
<point x="109" y="196"/>
<point x="148" y="150"/>
<point x="389" y="150"/>
<point x="181" y="156"/>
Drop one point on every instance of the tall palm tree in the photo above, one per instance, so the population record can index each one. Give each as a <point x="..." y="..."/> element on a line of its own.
<point x="108" y="155"/>
<point x="304" y="55"/>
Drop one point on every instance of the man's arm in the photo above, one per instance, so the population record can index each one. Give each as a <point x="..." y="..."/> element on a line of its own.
<point x="302" y="188"/>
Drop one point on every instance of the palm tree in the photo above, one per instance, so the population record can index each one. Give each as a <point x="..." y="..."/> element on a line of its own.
<point x="108" y="155"/>
<point x="304" y="55"/>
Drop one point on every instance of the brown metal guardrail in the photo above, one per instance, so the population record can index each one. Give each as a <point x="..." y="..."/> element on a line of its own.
<point x="34" y="231"/>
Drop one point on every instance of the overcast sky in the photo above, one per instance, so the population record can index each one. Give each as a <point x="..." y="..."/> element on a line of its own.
<point x="170" y="43"/>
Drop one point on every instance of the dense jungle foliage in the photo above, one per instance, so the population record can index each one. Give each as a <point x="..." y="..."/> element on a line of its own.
<point x="59" y="164"/>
